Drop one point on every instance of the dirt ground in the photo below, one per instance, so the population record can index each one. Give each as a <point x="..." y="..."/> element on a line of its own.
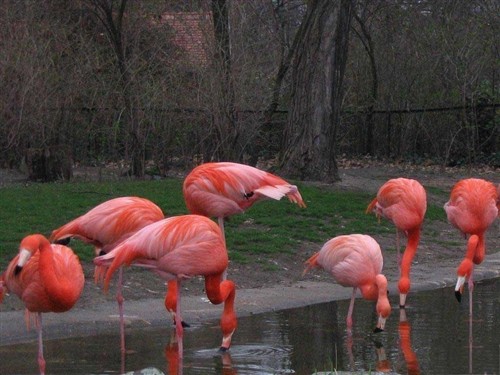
<point x="433" y="253"/>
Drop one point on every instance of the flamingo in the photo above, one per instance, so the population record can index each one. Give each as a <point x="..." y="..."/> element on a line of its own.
<point x="472" y="208"/>
<point x="224" y="189"/>
<point x="178" y="248"/>
<point x="404" y="202"/>
<point x="356" y="261"/>
<point x="105" y="226"/>
<point x="47" y="278"/>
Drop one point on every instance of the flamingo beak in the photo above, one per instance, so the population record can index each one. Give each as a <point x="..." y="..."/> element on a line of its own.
<point x="226" y="342"/>
<point x="459" y="288"/>
<point x="380" y="325"/>
<point x="402" y="300"/>
<point x="24" y="256"/>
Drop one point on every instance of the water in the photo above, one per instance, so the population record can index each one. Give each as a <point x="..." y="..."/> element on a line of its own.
<point x="434" y="340"/>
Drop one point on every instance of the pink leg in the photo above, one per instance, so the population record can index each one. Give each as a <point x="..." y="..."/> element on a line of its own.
<point x="351" y="308"/>
<point x="119" y="299"/>
<point x="398" y="248"/>
<point x="471" y="288"/>
<point x="41" y="360"/>
<point x="220" y="221"/>
<point x="178" y="321"/>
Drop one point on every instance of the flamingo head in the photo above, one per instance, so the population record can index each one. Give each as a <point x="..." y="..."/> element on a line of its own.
<point x="29" y="245"/>
<point x="463" y="272"/>
<point x="404" y="288"/>
<point x="383" y="306"/>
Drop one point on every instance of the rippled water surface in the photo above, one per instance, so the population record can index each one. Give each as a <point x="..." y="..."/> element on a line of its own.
<point x="435" y="337"/>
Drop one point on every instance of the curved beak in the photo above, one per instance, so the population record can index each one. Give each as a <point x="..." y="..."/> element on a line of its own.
<point x="24" y="256"/>
<point x="459" y="288"/>
<point x="380" y="325"/>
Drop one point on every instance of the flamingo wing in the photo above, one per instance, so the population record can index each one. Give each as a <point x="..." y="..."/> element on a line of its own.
<point x="351" y="259"/>
<point x="403" y="201"/>
<point x="111" y="221"/>
<point x="472" y="207"/>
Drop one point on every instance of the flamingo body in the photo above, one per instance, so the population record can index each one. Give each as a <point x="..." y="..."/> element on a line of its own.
<point x="472" y="208"/>
<point x="224" y="189"/>
<point x="404" y="202"/>
<point x="47" y="278"/>
<point x="356" y="261"/>
<point x="178" y="248"/>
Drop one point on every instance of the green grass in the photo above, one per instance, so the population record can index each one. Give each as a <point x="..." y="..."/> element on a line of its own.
<point x="267" y="228"/>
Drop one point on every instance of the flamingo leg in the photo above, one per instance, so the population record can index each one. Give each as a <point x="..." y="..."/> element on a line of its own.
<point x="220" y="221"/>
<point x="41" y="360"/>
<point x="398" y="248"/>
<point x="119" y="299"/>
<point x="471" y="288"/>
<point x="351" y="308"/>
<point x="179" y="330"/>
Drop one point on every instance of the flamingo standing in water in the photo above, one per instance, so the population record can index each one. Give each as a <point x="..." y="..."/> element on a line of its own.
<point x="105" y="226"/>
<point x="224" y="189"/>
<point x="356" y="261"/>
<point x="404" y="202"/>
<point x="472" y="208"/>
<point x="47" y="278"/>
<point x="178" y="248"/>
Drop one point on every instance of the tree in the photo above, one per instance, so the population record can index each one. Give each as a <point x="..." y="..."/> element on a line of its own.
<point x="111" y="18"/>
<point x="317" y="91"/>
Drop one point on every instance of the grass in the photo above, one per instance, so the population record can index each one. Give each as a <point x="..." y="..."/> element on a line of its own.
<point x="268" y="227"/>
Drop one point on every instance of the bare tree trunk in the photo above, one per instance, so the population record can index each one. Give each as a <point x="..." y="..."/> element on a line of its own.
<point x="224" y="117"/>
<point x="113" y="23"/>
<point x="366" y="40"/>
<point x="309" y="146"/>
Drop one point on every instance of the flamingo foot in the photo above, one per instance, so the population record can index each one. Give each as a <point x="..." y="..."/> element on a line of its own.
<point x="184" y="324"/>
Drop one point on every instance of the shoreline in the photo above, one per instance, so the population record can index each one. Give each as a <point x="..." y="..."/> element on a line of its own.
<point x="103" y="317"/>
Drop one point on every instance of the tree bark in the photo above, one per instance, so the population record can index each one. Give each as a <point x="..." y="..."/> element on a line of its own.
<point x="317" y="92"/>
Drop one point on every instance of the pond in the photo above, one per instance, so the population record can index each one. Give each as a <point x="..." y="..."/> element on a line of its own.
<point x="435" y="337"/>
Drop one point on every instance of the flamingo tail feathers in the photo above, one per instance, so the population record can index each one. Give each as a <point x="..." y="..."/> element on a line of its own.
<point x="66" y="231"/>
<point x="123" y="255"/>
<point x="279" y="191"/>
<point x="371" y="206"/>
<point x="312" y="262"/>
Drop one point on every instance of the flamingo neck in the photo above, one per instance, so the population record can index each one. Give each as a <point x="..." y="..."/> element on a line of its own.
<point x="218" y="292"/>
<point x="474" y="254"/>
<point x="383" y="305"/>
<point x="410" y="251"/>
<point x="476" y="248"/>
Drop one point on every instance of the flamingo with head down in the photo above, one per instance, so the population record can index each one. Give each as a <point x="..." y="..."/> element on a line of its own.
<point x="104" y="227"/>
<point x="404" y="202"/>
<point x="178" y="248"/>
<point x="356" y="261"/>
<point x="472" y="208"/>
<point x="224" y="189"/>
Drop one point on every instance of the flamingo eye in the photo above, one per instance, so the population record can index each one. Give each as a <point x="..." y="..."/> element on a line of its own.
<point x="248" y="195"/>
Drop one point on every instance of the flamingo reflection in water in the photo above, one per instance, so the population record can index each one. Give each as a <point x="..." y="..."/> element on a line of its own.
<point x="175" y="363"/>
<point x="409" y="355"/>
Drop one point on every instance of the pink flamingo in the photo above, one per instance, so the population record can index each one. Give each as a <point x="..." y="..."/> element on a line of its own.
<point x="356" y="261"/>
<point x="47" y="278"/>
<point x="404" y="202"/>
<point x="178" y="248"/>
<point x="472" y="208"/>
<point x="105" y="226"/>
<point x="224" y="189"/>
